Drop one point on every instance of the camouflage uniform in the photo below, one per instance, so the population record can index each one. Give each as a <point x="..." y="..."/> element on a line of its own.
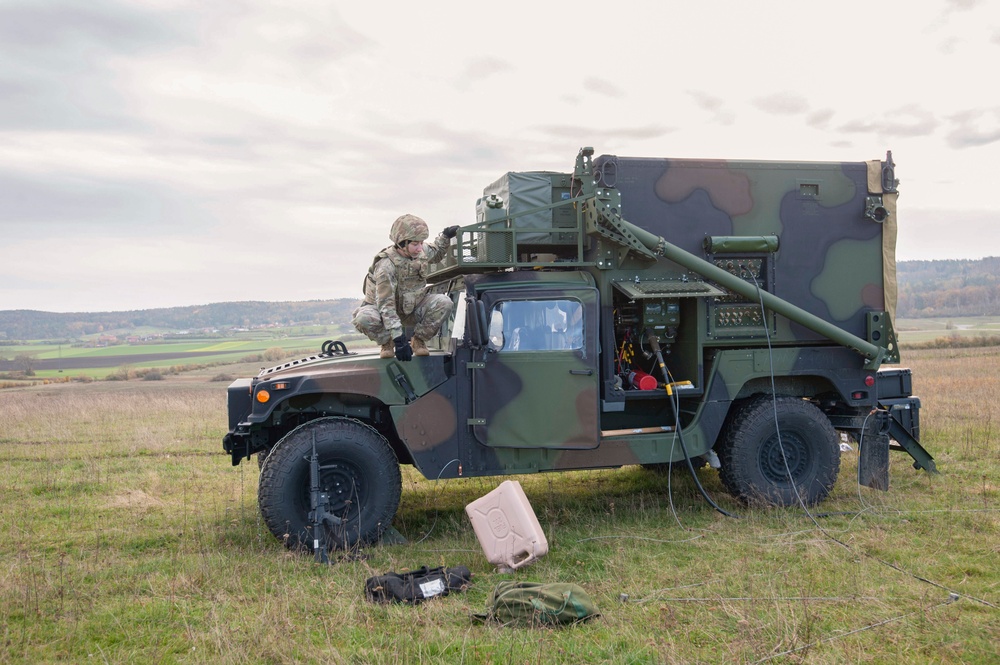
<point x="396" y="288"/>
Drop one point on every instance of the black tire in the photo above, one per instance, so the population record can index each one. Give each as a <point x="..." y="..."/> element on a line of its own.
<point x="357" y="468"/>
<point x="262" y="457"/>
<point x="756" y="462"/>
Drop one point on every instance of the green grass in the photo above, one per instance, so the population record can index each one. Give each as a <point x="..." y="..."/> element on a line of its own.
<point x="130" y="537"/>
<point x="276" y="345"/>
<point x="231" y="347"/>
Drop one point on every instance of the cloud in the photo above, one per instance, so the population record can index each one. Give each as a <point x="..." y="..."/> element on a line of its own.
<point x="906" y="121"/>
<point x="947" y="233"/>
<point x="971" y="129"/>
<point x="480" y="69"/>
<point x="59" y="31"/>
<point x="715" y="106"/>
<point x="782" y="103"/>
<point x="71" y="203"/>
<point x="604" y="135"/>
<point x="963" y="5"/>
<point x="212" y="138"/>
<point x="57" y="61"/>
<point x="820" y="119"/>
<point x="603" y="87"/>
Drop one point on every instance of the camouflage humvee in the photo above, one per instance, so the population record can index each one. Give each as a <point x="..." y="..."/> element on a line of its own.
<point x="633" y="311"/>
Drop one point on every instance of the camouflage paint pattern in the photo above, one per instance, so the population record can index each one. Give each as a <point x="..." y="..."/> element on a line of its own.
<point x="408" y="228"/>
<point x="468" y="410"/>
<point x="829" y="260"/>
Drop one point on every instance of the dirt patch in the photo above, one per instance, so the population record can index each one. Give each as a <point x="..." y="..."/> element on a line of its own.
<point x="87" y="362"/>
<point x="134" y="499"/>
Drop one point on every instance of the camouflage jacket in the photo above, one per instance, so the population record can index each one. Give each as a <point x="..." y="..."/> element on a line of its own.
<point x="396" y="284"/>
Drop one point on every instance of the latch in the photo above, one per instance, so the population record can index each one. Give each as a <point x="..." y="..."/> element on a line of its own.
<point x="400" y="379"/>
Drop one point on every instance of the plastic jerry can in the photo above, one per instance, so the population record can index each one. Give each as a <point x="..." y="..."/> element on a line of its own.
<point x="507" y="528"/>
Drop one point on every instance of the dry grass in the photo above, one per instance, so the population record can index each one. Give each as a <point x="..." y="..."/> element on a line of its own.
<point x="131" y="537"/>
<point x="960" y="390"/>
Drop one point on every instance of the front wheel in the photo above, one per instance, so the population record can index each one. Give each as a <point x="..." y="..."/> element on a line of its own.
<point x="796" y="461"/>
<point x="358" y="470"/>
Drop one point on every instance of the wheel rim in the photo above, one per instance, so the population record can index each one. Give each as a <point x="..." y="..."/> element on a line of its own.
<point x="776" y="466"/>
<point x="344" y="483"/>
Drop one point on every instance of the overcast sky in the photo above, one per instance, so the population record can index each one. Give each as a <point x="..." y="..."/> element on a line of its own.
<point x="157" y="153"/>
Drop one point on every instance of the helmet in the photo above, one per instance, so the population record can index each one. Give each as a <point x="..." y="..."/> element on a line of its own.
<point x="408" y="227"/>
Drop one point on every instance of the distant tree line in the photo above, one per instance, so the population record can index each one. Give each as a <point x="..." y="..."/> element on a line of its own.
<point x="949" y="288"/>
<point x="25" y="324"/>
<point x="926" y="289"/>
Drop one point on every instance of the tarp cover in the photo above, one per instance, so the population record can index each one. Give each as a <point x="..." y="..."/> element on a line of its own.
<point x="523" y="191"/>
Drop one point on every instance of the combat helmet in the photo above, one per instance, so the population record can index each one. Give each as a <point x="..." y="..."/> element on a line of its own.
<point x="408" y="228"/>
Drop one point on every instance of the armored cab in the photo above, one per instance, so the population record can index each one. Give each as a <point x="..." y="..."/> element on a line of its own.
<point x="630" y="311"/>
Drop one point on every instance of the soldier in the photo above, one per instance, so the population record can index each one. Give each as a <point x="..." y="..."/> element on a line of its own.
<point x="396" y="291"/>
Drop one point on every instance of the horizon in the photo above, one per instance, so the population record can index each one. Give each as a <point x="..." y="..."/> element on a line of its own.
<point x="163" y="152"/>
<point x="350" y="298"/>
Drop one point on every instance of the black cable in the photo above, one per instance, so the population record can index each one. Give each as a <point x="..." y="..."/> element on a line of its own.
<point x="954" y="594"/>
<point x="436" y="496"/>
<point x="687" y="458"/>
<point x="675" y="406"/>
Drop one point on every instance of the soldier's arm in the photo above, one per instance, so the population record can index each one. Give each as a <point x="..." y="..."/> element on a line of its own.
<point x="385" y="297"/>
<point x="434" y="251"/>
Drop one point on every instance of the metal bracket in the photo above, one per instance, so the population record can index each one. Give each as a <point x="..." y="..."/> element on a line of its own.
<point x="922" y="459"/>
<point x="874" y="210"/>
<point x="399" y="378"/>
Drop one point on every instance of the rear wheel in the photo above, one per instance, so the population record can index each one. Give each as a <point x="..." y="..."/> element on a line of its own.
<point x="358" y="470"/>
<point x="797" y="460"/>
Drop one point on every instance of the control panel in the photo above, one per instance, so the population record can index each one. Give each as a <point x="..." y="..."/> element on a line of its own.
<point x="732" y="315"/>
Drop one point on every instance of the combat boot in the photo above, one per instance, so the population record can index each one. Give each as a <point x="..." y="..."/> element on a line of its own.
<point x="419" y="346"/>
<point x="388" y="350"/>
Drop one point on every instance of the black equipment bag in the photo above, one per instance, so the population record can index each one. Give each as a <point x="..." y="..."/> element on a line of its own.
<point x="415" y="586"/>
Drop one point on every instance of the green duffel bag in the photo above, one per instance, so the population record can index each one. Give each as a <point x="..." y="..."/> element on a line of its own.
<point x="535" y="603"/>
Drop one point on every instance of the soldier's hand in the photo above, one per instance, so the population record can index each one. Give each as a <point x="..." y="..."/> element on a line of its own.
<point x="450" y="232"/>
<point x="403" y="350"/>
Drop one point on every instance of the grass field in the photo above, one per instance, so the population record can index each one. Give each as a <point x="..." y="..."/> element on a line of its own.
<point x="56" y="361"/>
<point x="924" y="330"/>
<point x="131" y="538"/>
<point x="53" y="361"/>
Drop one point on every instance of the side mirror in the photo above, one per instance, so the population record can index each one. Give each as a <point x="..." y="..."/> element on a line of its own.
<point x="476" y="318"/>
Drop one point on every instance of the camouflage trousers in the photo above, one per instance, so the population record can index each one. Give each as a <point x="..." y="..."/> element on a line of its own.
<point x="425" y="320"/>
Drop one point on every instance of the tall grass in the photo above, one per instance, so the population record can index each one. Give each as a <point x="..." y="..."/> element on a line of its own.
<point x="130" y="537"/>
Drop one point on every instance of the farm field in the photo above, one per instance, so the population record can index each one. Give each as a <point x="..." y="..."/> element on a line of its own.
<point x="54" y="361"/>
<point x="61" y="361"/>
<point x="130" y="537"/>
<point x="926" y="329"/>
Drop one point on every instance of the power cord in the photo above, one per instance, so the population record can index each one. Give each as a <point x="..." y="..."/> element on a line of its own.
<point x="437" y="495"/>
<point x="953" y="594"/>
<point x="675" y="405"/>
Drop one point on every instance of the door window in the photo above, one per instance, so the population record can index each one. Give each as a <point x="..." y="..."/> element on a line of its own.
<point x="536" y="325"/>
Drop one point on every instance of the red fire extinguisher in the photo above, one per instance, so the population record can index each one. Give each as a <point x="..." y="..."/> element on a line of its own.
<point x="641" y="380"/>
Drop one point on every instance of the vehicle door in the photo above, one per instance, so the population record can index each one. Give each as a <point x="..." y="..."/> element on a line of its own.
<point x="537" y="385"/>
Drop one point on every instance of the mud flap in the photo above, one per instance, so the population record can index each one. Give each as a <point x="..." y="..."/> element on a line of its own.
<point x="873" y="462"/>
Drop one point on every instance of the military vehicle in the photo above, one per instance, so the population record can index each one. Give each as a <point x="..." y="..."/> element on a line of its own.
<point x="633" y="311"/>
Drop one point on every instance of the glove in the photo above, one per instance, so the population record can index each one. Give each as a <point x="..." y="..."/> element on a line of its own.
<point x="403" y="350"/>
<point x="450" y="232"/>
